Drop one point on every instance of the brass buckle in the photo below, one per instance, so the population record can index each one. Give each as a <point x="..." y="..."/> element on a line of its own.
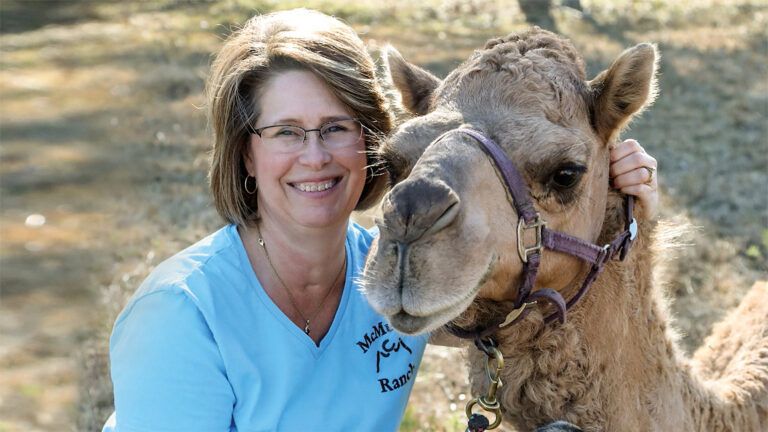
<point x="489" y="402"/>
<point x="538" y="225"/>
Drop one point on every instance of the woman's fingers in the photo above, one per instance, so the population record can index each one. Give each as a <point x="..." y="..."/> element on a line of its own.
<point x="633" y="172"/>
<point x="624" y="148"/>
<point x="647" y="199"/>
<point x="638" y="176"/>
<point x="631" y="162"/>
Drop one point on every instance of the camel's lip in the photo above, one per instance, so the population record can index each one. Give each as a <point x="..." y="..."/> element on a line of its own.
<point x="467" y="296"/>
<point x="412" y="324"/>
<point x="407" y="323"/>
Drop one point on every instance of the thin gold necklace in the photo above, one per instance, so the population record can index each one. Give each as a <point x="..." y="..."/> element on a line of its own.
<point x="307" y="328"/>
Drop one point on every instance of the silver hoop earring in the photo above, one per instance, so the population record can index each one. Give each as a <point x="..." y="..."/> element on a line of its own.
<point x="255" y="185"/>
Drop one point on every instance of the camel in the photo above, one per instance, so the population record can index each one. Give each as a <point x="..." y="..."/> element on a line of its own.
<point x="447" y="251"/>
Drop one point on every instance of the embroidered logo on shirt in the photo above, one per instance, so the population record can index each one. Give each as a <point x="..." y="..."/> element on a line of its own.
<point x="391" y="346"/>
<point x="387" y="349"/>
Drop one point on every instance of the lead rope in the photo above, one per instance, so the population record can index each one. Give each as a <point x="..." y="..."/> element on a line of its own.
<point x="478" y="422"/>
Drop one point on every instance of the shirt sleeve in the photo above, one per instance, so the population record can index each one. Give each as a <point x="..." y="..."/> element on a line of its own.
<point x="166" y="368"/>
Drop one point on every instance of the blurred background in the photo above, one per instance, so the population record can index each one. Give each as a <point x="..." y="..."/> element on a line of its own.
<point x="104" y="151"/>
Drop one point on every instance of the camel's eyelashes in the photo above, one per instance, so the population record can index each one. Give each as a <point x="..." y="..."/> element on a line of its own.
<point x="567" y="176"/>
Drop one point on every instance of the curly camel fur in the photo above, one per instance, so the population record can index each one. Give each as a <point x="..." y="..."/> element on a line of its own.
<point x="447" y="247"/>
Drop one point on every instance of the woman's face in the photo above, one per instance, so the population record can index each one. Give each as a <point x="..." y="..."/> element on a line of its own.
<point x="312" y="186"/>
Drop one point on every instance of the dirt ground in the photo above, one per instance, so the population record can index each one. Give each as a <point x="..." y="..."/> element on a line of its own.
<point x="103" y="156"/>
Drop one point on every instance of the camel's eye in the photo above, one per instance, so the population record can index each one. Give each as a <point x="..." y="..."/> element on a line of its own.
<point x="567" y="176"/>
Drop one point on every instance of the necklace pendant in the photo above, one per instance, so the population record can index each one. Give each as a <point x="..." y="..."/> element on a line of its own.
<point x="307" y="330"/>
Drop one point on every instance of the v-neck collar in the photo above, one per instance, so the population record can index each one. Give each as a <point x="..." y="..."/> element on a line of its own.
<point x="291" y="328"/>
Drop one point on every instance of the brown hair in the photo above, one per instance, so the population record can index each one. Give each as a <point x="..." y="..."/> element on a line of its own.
<point x="266" y="46"/>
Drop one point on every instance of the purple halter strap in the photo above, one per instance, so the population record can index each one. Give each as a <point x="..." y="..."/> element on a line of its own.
<point x="529" y="219"/>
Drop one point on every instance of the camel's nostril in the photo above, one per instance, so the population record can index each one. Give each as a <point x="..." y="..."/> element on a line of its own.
<point x="445" y="219"/>
<point x="417" y="207"/>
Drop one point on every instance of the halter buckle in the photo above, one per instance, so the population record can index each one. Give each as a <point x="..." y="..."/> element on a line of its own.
<point x="524" y="251"/>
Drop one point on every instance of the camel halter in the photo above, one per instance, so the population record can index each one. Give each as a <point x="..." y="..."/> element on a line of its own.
<point x="529" y="219"/>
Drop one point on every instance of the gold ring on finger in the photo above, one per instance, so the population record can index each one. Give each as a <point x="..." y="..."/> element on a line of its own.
<point x="651" y="173"/>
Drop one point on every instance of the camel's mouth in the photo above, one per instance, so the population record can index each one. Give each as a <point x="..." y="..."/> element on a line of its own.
<point x="409" y="324"/>
<point x="412" y="324"/>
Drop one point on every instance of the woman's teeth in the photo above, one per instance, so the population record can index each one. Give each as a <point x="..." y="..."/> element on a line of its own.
<point x="316" y="187"/>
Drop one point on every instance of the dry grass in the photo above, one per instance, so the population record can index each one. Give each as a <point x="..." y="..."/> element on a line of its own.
<point x="102" y="133"/>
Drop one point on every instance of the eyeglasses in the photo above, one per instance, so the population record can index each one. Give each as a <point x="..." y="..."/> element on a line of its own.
<point x="335" y="134"/>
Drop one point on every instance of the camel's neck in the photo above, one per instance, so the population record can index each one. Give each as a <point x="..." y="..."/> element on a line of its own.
<point x="599" y="370"/>
<point x="634" y="364"/>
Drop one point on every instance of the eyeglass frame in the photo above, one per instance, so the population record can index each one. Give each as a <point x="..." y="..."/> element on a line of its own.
<point x="258" y="131"/>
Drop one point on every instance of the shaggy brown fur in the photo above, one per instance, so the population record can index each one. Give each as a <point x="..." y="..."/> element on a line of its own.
<point x="447" y="247"/>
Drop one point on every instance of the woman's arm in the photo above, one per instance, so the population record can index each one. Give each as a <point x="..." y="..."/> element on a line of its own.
<point x="633" y="172"/>
<point x="166" y="369"/>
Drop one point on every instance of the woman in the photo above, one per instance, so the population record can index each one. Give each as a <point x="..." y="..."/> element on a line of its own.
<point x="259" y="326"/>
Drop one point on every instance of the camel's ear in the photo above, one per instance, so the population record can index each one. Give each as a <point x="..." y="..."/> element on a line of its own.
<point x="624" y="89"/>
<point x="414" y="83"/>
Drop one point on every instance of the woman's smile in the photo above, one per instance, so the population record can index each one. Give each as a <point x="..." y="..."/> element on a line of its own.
<point x="315" y="188"/>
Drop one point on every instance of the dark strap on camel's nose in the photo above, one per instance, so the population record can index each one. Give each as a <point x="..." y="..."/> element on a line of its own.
<point x="514" y="181"/>
<point x="553" y="240"/>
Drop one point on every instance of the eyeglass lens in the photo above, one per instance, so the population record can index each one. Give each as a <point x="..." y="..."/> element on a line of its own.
<point x="337" y="134"/>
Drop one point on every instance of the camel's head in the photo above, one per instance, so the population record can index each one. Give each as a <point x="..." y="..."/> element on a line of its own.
<point x="449" y="231"/>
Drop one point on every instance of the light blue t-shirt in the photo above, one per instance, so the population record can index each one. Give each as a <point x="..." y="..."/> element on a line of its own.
<point x="201" y="347"/>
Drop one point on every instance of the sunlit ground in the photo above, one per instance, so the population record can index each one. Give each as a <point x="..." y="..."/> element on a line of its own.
<point x="103" y="160"/>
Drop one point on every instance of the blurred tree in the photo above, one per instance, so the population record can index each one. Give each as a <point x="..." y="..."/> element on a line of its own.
<point x="539" y="12"/>
<point x="18" y="16"/>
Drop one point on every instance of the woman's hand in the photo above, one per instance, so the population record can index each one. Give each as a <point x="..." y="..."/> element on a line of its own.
<point x="633" y="172"/>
